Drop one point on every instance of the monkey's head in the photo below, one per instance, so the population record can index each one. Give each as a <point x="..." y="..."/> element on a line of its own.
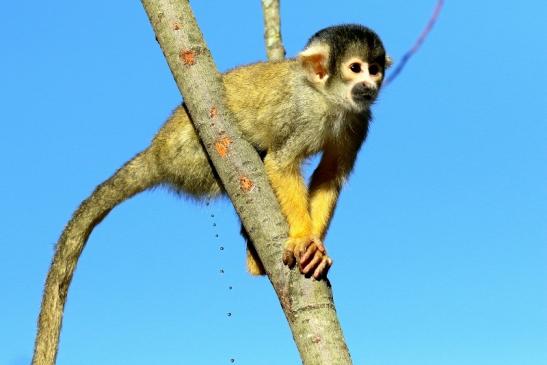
<point x="347" y="64"/>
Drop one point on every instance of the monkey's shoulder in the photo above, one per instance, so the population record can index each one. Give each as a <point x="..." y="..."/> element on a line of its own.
<point x="261" y="76"/>
<point x="257" y="93"/>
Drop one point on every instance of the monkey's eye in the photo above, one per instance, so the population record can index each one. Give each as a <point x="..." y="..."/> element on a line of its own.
<point x="355" y="67"/>
<point x="374" y="69"/>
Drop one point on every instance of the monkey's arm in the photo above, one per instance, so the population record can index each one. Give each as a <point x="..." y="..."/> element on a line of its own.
<point x="291" y="192"/>
<point x="302" y="246"/>
<point x="324" y="190"/>
<point x="326" y="182"/>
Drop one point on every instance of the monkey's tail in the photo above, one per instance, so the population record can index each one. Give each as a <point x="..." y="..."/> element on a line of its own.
<point x="134" y="177"/>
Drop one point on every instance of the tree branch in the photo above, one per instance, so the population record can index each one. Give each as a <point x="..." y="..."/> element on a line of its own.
<point x="272" y="30"/>
<point x="308" y="304"/>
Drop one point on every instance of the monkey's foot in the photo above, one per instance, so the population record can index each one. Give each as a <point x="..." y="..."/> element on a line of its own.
<point x="310" y="255"/>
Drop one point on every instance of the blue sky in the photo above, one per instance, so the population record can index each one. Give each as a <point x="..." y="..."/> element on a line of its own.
<point x="439" y="241"/>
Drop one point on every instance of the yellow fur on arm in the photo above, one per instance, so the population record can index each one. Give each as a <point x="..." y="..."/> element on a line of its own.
<point x="322" y="203"/>
<point x="292" y="193"/>
<point x="324" y="190"/>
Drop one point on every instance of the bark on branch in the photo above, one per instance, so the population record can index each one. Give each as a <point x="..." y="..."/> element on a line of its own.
<point x="272" y="30"/>
<point x="308" y="304"/>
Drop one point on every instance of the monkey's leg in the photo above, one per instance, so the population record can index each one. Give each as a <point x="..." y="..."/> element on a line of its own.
<point x="134" y="177"/>
<point x="254" y="264"/>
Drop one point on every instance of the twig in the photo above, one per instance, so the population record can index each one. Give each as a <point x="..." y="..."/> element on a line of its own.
<point x="272" y="30"/>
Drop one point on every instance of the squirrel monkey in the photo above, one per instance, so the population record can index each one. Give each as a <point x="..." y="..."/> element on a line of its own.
<point x="288" y="110"/>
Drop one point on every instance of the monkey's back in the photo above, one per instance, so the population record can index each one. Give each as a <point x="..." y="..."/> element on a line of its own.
<point x="272" y="108"/>
<point x="259" y="96"/>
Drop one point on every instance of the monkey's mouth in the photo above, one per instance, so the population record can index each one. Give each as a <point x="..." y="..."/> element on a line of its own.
<point x="363" y="98"/>
<point x="363" y="95"/>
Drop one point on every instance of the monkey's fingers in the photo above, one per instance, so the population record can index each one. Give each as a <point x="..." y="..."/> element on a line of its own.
<point x="308" y="254"/>
<point x="288" y="258"/>
<point x="313" y="264"/>
<point x="320" y="245"/>
<point x="323" y="268"/>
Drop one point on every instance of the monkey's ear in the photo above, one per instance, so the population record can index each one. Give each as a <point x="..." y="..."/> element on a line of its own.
<point x="314" y="61"/>
<point x="389" y="61"/>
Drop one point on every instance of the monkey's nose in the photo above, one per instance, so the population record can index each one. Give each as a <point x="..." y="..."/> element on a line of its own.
<point x="366" y="91"/>
<point x="363" y="93"/>
<point x="369" y="87"/>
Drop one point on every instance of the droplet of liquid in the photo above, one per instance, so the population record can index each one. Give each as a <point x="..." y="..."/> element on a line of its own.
<point x="221" y="248"/>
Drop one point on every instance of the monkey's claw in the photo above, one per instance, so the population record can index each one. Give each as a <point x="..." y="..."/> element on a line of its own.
<point x="310" y="254"/>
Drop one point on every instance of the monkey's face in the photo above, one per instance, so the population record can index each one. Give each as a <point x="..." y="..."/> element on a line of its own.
<point x="360" y="82"/>
<point x="347" y="64"/>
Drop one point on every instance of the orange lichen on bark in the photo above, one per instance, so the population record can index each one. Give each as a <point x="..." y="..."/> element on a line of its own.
<point x="222" y="146"/>
<point x="246" y="184"/>
<point x="188" y="57"/>
<point x="213" y="112"/>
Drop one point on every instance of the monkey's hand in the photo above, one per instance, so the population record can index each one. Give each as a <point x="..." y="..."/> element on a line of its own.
<point x="310" y="255"/>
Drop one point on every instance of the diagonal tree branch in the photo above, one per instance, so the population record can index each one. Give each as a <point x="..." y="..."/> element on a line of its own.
<point x="308" y="304"/>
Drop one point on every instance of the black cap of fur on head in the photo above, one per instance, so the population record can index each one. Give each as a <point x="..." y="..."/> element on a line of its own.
<point x="350" y="40"/>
